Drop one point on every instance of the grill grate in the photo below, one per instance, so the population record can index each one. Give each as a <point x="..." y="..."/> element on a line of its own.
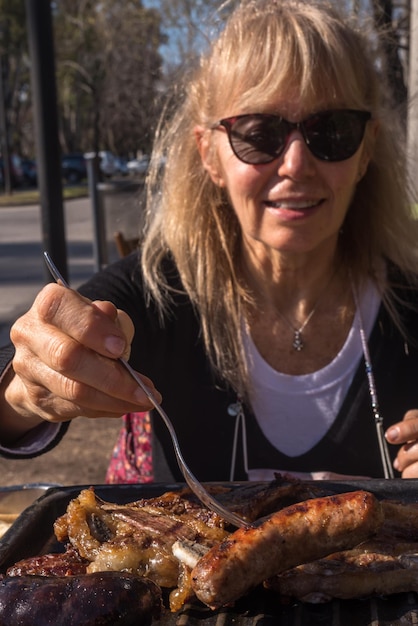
<point x="260" y="609"/>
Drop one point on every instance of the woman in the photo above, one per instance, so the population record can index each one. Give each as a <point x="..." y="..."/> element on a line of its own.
<point x="274" y="298"/>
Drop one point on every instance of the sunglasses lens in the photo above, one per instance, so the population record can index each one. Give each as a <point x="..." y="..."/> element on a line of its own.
<point x="335" y="135"/>
<point x="330" y="135"/>
<point x="257" y="139"/>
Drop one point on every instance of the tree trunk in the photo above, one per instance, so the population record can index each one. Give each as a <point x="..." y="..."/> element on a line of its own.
<point x="383" y="10"/>
<point x="413" y="99"/>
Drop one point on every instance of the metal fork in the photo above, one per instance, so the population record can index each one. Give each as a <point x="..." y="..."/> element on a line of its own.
<point x="198" y="489"/>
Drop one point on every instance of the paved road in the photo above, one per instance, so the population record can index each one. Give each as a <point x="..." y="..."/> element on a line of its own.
<point x="22" y="271"/>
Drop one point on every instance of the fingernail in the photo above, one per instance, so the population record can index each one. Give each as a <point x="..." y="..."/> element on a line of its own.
<point x="392" y="434"/>
<point x="396" y="464"/>
<point x="115" y="345"/>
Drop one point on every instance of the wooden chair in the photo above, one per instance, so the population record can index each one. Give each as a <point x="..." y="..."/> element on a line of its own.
<point x="123" y="245"/>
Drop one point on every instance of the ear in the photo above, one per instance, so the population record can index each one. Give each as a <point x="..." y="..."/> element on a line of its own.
<point x="208" y="156"/>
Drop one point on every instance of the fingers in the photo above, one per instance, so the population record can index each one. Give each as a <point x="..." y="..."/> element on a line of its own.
<point x="66" y="361"/>
<point x="57" y="398"/>
<point x="123" y="322"/>
<point x="405" y="433"/>
<point x="93" y="326"/>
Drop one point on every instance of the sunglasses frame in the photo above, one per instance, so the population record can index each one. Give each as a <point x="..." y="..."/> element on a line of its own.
<point x="228" y="122"/>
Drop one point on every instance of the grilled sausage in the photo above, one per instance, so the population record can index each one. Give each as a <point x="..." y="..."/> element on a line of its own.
<point x="297" y="534"/>
<point x="373" y="568"/>
<point x="102" y="599"/>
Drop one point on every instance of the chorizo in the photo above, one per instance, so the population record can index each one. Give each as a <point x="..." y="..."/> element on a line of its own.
<point x="102" y="599"/>
<point x="297" y="534"/>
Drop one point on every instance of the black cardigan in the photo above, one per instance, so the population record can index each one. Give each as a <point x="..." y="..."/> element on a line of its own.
<point x="173" y="356"/>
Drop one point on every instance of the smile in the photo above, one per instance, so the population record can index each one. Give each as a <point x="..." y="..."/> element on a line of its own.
<point x="292" y="205"/>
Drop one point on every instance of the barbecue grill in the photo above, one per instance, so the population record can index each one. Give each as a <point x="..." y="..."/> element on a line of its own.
<point x="32" y="534"/>
<point x="260" y="610"/>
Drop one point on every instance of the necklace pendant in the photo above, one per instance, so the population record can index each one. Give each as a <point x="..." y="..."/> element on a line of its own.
<point x="297" y="341"/>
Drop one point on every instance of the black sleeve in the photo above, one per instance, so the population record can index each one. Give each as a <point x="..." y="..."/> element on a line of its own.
<point x="121" y="284"/>
<point x="6" y="355"/>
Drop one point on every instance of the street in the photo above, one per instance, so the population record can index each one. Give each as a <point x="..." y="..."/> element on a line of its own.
<point x="83" y="455"/>
<point x="22" y="270"/>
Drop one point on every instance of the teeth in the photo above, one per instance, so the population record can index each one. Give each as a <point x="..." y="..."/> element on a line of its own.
<point x="292" y="204"/>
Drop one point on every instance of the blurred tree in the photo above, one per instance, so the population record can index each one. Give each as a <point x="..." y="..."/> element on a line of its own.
<point x="15" y="74"/>
<point x="392" y="20"/>
<point x="108" y="73"/>
<point x="413" y="99"/>
<point x="190" y="24"/>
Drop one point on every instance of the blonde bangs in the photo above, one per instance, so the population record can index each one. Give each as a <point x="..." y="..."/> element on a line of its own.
<point x="298" y="50"/>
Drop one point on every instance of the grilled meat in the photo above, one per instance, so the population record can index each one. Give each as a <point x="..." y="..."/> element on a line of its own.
<point x="254" y="500"/>
<point x="180" y="545"/>
<point x="376" y="567"/>
<point x="401" y="520"/>
<point x="299" y="533"/>
<point x="68" y="563"/>
<point x="102" y="599"/>
<point x="136" y="537"/>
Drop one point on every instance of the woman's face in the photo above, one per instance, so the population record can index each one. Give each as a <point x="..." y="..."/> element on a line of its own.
<point x="294" y="205"/>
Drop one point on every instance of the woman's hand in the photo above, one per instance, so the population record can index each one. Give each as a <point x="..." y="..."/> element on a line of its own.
<point x="66" y="361"/>
<point x="405" y="433"/>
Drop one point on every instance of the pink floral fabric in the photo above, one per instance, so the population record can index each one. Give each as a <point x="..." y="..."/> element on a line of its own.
<point x="131" y="460"/>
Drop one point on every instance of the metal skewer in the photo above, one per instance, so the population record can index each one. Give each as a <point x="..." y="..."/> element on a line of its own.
<point x="197" y="487"/>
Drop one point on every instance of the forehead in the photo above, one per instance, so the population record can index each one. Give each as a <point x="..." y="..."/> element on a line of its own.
<point x="292" y="105"/>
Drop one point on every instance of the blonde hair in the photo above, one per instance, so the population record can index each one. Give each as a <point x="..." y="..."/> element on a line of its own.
<point x="265" y="47"/>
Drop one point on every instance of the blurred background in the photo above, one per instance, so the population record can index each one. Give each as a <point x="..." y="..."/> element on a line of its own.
<point x="116" y="61"/>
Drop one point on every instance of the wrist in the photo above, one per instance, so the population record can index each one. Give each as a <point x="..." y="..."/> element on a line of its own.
<point x="15" y="421"/>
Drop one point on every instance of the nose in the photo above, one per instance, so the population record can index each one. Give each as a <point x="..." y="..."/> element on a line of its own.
<point x="296" y="161"/>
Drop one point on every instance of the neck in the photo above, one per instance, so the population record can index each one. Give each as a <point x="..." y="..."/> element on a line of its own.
<point x="292" y="286"/>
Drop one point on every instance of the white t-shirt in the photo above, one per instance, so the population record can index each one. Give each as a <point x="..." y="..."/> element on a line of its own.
<point x="295" y="412"/>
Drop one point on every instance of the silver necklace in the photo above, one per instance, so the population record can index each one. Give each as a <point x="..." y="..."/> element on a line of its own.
<point x="237" y="410"/>
<point x="298" y="344"/>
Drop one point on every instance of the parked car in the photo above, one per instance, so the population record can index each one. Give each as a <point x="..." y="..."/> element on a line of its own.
<point x="108" y="165"/>
<point x="121" y="166"/>
<point x="30" y="173"/>
<point x="74" y="168"/>
<point x="138" y="166"/>
<point x="16" y="172"/>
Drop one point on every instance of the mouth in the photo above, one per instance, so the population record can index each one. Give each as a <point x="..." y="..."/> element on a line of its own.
<point x="293" y="205"/>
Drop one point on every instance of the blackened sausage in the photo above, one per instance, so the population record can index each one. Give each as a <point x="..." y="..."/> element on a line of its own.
<point x="99" y="599"/>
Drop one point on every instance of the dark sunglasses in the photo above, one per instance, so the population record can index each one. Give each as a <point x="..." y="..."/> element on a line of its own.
<point x="330" y="135"/>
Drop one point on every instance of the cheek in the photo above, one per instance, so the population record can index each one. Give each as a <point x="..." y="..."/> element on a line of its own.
<point x="241" y="180"/>
<point x="343" y="180"/>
